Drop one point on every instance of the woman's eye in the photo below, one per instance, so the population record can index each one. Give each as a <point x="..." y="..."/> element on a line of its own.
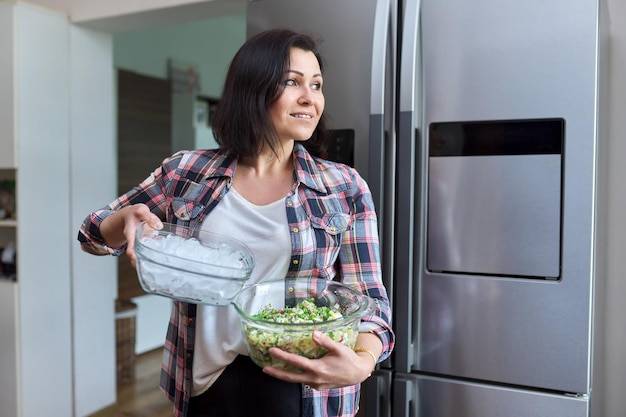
<point x="292" y="82"/>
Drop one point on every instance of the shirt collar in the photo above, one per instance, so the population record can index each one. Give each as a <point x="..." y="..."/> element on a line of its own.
<point x="306" y="170"/>
<point x="221" y="165"/>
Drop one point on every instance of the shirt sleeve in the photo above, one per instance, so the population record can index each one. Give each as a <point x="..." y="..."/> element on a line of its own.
<point x="152" y="192"/>
<point x="360" y="265"/>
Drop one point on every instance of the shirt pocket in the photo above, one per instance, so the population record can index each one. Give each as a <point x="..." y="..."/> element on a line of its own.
<point x="328" y="230"/>
<point x="185" y="210"/>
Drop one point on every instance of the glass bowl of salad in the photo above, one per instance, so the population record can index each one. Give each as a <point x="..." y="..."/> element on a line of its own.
<point x="191" y="265"/>
<point x="284" y="313"/>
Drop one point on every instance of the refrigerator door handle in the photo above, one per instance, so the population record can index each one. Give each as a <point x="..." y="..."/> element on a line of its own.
<point x="410" y="56"/>
<point x="404" y="397"/>
<point x="378" y="111"/>
<point x="376" y="393"/>
<point x="381" y="163"/>
<point x="407" y="255"/>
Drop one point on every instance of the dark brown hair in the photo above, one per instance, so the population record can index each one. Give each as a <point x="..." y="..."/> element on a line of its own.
<point x="241" y="122"/>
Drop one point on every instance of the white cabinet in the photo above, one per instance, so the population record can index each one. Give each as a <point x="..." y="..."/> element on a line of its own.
<point x="36" y="342"/>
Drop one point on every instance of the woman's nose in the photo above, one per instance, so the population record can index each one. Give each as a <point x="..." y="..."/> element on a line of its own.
<point x="306" y="96"/>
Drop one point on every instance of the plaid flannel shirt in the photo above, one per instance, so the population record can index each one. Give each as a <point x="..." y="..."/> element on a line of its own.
<point x="334" y="235"/>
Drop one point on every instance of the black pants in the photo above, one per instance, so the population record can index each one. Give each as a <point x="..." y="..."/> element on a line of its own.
<point x="243" y="390"/>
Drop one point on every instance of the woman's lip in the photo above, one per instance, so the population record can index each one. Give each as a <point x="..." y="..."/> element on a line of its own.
<point x="304" y="116"/>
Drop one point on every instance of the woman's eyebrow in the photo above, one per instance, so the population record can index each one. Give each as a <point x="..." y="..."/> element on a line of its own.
<point x="301" y="73"/>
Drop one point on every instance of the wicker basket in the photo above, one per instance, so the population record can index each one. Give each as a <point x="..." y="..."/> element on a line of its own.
<point x="125" y="330"/>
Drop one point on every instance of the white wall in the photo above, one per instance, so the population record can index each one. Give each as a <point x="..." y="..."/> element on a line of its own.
<point x="44" y="282"/>
<point x="93" y="184"/>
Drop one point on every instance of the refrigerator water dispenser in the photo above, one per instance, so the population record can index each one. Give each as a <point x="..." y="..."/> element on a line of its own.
<point x="494" y="198"/>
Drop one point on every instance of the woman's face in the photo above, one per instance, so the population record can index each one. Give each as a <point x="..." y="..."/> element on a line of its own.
<point x="298" y="109"/>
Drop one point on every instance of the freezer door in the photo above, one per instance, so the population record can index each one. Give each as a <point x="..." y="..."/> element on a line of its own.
<point x="358" y="47"/>
<point x="353" y="42"/>
<point x="425" y="396"/>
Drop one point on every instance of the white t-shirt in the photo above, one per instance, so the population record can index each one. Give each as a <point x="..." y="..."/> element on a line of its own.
<point x="264" y="229"/>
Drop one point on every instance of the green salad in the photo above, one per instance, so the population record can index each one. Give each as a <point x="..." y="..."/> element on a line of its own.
<point x="296" y="339"/>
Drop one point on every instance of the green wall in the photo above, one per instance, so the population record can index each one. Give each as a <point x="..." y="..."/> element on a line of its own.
<point x="209" y="45"/>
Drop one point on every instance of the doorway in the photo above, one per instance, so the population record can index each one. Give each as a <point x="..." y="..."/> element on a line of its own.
<point x="144" y="139"/>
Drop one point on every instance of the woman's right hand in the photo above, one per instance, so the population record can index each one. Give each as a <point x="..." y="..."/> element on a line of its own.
<point x="119" y="228"/>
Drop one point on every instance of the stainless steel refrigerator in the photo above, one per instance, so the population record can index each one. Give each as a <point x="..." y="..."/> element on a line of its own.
<point x="479" y="126"/>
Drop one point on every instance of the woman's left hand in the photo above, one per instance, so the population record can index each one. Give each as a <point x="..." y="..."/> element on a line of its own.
<point x="340" y="367"/>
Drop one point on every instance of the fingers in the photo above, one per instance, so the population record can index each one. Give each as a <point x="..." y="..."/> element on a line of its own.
<point x="130" y="252"/>
<point x="153" y="221"/>
<point x="132" y="218"/>
<point x="333" y="348"/>
<point x="335" y="369"/>
<point x="141" y="213"/>
<point x="322" y="340"/>
<point x="297" y="361"/>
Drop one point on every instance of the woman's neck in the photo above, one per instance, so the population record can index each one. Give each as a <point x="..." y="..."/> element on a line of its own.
<point x="265" y="178"/>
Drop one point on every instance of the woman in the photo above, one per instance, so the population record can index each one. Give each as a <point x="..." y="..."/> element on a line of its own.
<point x="262" y="185"/>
